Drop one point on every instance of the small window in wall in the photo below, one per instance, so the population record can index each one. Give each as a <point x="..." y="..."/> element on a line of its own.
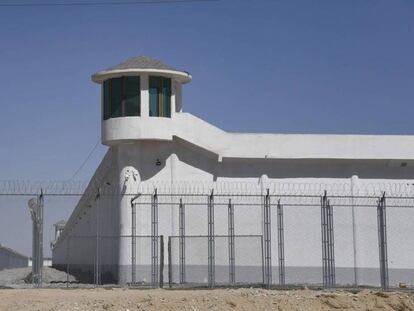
<point x="121" y="97"/>
<point x="160" y="97"/>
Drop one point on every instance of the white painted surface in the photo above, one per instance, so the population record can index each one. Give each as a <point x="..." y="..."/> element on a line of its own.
<point x="261" y="146"/>
<point x="47" y="262"/>
<point x="195" y="156"/>
<point x="101" y="76"/>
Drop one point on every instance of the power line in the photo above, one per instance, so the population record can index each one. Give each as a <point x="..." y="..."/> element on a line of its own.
<point x="86" y="160"/>
<point x="100" y="3"/>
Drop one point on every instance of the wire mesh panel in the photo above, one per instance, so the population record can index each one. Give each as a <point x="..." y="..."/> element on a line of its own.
<point x="78" y="258"/>
<point x="249" y="259"/>
<point x="367" y="271"/>
<point x="148" y="270"/>
<point x="221" y="260"/>
<point x="196" y="210"/>
<point x="400" y="235"/>
<point x="107" y="271"/>
<point x="144" y="260"/>
<point x="302" y="240"/>
<point x="85" y="264"/>
<point x="93" y="252"/>
<point x="15" y="238"/>
<point x="248" y="266"/>
<point x="57" y="209"/>
<point x="344" y="239"/>
<point x="196" y="260"/>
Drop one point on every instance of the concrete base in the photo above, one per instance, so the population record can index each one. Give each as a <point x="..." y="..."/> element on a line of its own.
<point x="198" y="274"/>
<point x="85" y="273"/>
<point x="344" y="276"/>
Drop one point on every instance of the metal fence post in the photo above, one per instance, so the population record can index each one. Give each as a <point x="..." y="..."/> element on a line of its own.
<point x="354" y="229"/>
<point x="36" y="212"/>
<point x="161" y="261"/>
<point x="67" y="259"/>
<point x="154" y="239"/>
<point x="134" y="238"/>
<point x="169" y="263"/>
<point x="328" y="254"/>
<point x="324" y="241"/>
<point x="267" y="241"/>
<point x="98" y="238"/>
<point x="41" y="199"/>
<point x="133" y="243"/>
<point x="331" y="245"/>
<point x="211" y="247"/>
<point x="382" y="241"/>
<point x="263" y="260"/>
<point x="232" y="265"/>
<point x="181" y="223"/>
<point x="281" y="243"/>
<point x="33" y="211"/>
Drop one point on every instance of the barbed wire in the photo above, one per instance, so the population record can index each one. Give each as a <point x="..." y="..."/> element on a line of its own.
<point x="30" y="187"/>
<point x="334" y="188"/>
<point x="249" y="194"/>
<point x="401" y="189"/>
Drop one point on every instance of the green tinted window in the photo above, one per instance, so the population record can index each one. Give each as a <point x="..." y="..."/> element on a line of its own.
<point x="132" y="96"/>
<point x="153" y="96"/>
<point x="166" y="97"/>
<point x="106" y="100"/>
<point x="116" y="97"/>
<point x="121" y="97"/>
<point x="160" y="97"/>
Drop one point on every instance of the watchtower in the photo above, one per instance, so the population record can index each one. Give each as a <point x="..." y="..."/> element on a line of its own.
<point x="139" y="99"/>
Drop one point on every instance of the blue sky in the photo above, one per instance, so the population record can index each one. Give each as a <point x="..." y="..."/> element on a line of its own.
<point x="257" y="66"/>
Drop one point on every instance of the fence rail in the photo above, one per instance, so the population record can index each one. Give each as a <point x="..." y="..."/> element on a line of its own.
<point x="223" y="239"/>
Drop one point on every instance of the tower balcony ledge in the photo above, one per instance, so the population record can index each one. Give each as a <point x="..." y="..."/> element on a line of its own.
<point x="129" y="129"/>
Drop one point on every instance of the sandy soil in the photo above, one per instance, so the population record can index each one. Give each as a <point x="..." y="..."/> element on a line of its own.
<point x="192" y="300"/>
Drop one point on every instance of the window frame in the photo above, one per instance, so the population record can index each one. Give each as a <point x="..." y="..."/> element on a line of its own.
<point x="160" y="85"/>
<point x="107" y="114"/>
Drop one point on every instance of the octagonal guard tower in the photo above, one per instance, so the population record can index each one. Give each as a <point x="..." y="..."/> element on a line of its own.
<point x="140" y="100"/>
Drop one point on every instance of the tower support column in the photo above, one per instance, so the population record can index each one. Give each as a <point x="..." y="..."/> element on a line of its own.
<point x="128" y="182"/>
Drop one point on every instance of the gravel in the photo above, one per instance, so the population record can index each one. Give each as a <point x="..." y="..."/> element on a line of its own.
<point x="21" y="278"/>
<point x="122" y="299"/>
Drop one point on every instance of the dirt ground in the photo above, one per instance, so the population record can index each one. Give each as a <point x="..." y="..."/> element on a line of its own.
<point x="192" y="300"/>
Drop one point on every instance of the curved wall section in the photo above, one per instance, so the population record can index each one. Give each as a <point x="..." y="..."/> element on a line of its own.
<point x="126" y="129"/>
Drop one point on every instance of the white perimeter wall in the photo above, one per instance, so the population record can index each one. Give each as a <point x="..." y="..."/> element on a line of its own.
<point x="186" y="168"/>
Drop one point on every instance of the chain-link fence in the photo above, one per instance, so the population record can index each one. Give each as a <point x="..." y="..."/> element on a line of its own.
<point x="328" y="238"/>
<point x="237" y="260"/>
